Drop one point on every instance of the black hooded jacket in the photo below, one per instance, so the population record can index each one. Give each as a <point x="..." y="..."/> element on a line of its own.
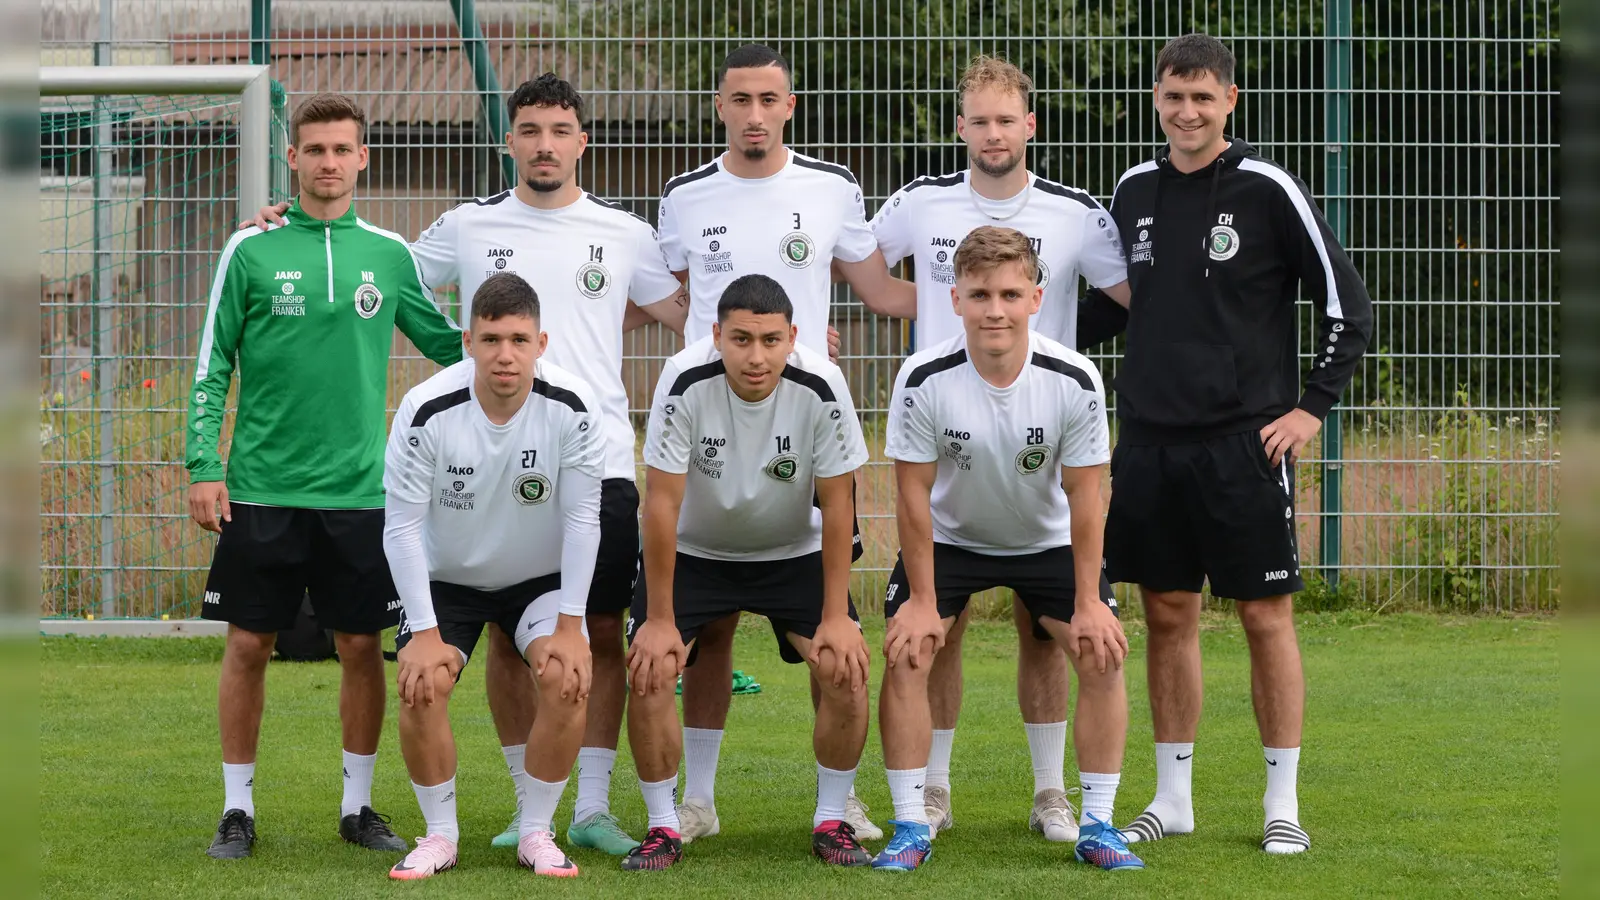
<point x="1215" y="260"/>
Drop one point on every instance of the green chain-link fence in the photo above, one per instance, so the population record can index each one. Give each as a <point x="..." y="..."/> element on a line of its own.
<point x="1428" y="131"/>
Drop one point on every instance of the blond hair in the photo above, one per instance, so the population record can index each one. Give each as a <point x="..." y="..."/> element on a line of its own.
<point x="327" y="107"/>
<point x="994" y="72"/>
<point x="989" y="247"/>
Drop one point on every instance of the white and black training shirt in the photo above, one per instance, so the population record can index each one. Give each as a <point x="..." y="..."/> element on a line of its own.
<point x="750" y="466"/>
<point x="1000" y="450"/>
<point x="790" y="226"/>
<point x="489" y="506"/>
<point x="584" y="260"/>
<point x="1071" y="234"/>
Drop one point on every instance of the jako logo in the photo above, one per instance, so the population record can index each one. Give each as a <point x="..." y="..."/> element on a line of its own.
<point x="958" y="435"/>
<point x="944" y="242"/>
<point x="715" y="229"/>
<point x="288" y="275"/>
<point x="499" y="251"/>
<point x="459" y="470"/>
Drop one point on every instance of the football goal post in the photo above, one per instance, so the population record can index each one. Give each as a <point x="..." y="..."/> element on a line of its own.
<point x="144" y="172"/>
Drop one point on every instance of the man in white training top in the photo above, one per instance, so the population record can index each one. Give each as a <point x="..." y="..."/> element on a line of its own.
<point x="1071" y="235"/>
<point x="761" y="208"/>
<point x="991" y="432"/>
<point x="492" y="512"/>
<point x="752" y="449"/>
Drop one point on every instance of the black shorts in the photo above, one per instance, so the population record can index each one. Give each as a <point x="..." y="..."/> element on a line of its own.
<point x="617" y="564"/>
<point x="787" y="591"/>
<point x="517" y="610"/>
<point x="1217" y="509"/>
<point x="269" y="557"/>
<point x="1045" y="582"/>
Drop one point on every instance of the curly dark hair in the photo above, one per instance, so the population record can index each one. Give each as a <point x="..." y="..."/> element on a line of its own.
<point x="546" y="90"/>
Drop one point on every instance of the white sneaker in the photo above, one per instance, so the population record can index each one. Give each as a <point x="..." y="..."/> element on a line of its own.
<point x="697" y="819"/>
<point x="433" y="855"/>
<point x="936" y="806"/>
<point x="537" y="850"/>
<point x="855" y="813"/>
<point x="1054" y="817"/>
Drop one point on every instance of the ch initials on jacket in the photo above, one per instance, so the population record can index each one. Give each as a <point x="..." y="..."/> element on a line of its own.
<point x="1224" y="241"/>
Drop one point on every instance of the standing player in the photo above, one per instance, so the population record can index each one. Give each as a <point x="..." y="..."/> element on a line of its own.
<point x="761" y="208"/>
<point x="586" y="257"/>
<point x="745" y="429"/>
<point x="991" y="432"/>
<point x="493" y="479"/>
<point x="307" y="313"/>
<point x="1070" y="233"/>
<point x="1213" y="417"/>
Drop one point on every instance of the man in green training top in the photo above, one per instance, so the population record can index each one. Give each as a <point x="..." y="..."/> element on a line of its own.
<point x="306" y="313"/>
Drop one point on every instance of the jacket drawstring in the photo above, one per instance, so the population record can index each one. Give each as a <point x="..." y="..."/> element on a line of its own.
<point x="1155" y="216"/>
<point x="1211" y="210"/>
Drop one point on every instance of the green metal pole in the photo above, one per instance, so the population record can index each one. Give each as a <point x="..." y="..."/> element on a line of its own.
<point x="1337" y="210"/>
<point x="260" y="32"/>
<point x="261" y="55"/>
<point x="495" y="124"/>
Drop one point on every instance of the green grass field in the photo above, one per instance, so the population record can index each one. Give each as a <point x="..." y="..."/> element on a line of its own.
<point x="1430" y="769"/>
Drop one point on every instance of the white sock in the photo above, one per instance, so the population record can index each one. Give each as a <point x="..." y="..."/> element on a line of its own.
<point x="833" y="789"/>
<point x="939" y="757"/>
<point x="1047" y="744"/>
<point x="661" y="802"/>
<point x="906" y="789"/>
<point x="357" y="782"/>
<point x="594" y="782"/>
<point x="1282" y="801"/>
<point x="515" y="754"/>
<point x="539" y="806"/>
<point x="1099" y="795"/>
<point x="701" y="747"/>
<point x="237" y="781"/>
<point x="1174" y="804"/>
<point x="439" y="808"/>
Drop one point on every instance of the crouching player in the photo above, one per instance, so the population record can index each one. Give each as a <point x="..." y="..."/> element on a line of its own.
<point x="493" y="478"/>
<point x="991" y="432"/>
<point x="746" y="429"/>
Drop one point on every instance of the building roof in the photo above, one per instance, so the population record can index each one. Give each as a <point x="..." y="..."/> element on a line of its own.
<point x="420" y="75"/>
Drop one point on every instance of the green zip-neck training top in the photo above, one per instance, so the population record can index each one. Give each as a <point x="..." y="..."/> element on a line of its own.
<point x="306" y="313"/>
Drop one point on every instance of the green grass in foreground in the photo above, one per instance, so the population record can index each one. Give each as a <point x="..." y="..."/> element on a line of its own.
<point x="1429" y="769"/>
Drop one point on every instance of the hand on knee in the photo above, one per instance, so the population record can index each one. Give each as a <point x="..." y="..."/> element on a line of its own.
<point x="444" y="684"/>
<point x="555" y="681"/>
<point x="1093" y="681"/>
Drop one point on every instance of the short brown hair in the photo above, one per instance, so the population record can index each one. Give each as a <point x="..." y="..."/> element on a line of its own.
<point x="327" y="108"/>
<point x="992" y="71"/>
<point x="505" y="294"/>
<point x="1193" y="55"/>
<point x="989" y="247"/>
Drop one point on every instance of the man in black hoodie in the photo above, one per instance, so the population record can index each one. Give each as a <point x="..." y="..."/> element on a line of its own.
<point x="1219" y="243"/>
